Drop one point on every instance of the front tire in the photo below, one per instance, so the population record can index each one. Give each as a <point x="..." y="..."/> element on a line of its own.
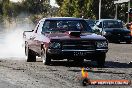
<point x="79" y="61"/>
<point x="128" y="42"/>
<point x="101" y="59"/>
<point x="31" y="56"/>
<point x="45" y="58"/>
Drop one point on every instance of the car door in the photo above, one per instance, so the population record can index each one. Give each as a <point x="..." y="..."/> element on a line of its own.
<point x="38" y="39"/>
<point x="31" y="43"/>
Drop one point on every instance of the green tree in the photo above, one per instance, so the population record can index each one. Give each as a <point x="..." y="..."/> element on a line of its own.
<point x="36" y="6"/>
<point x="107" y="8"/>
<point x="76" y="8"/>
<point x="7" y="8"/>
<point x="86" y="9"/>
<point x="65" y="8"/>
<point x="122" y="9"/>
<point x="1" y="12"/>
<point x="60" y="2"/>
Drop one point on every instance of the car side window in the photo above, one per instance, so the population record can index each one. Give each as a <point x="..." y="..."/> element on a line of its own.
<point x="46" y="26"/>
<point x="49" y="26"/>
<point x="39" y="29"/>
<point x="36" y="28"/>
<point x="100" y="25"/>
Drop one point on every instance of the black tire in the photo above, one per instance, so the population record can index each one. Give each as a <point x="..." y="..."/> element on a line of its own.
<point x="128" y="42"/>
<point x="45" y="57"/>
<point x="79" y="61"/>
<point x="86" y="81"/>
<point x="118" y="42"/>
<point x="26" y="49"/>
<point x="101" y="59"/>
<point x="31" y="56"/>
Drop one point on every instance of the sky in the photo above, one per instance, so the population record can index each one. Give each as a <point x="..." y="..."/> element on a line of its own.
<point x="52" y="2"/>
<point x="15" y="0"/>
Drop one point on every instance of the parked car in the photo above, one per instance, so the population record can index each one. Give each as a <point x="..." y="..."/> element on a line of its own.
<point x="64" y="38"/>
<point x="113" y="30"/>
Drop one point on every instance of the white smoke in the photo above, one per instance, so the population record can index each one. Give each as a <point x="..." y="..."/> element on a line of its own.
<point x="11" y="41"/>
<point x="12" y="45"/>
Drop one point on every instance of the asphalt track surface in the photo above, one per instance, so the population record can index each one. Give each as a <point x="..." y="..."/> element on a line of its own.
<point x="15" y="72"/>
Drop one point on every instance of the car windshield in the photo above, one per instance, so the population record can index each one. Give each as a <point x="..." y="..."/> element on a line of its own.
<point x="65" y="25"/>
<point x="91" y="23"/>
<point x="112" y="24"/>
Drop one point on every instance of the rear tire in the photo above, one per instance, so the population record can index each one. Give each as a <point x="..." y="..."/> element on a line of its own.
<point x="31" y="56"/>
<point x="101" y="59"/>
<point x="26" y="49"/>
<point x="45" y="58"/>
<point x="118" y="42"/>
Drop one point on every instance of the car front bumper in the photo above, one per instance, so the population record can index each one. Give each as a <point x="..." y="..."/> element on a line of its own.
<point x="57" y="53"/>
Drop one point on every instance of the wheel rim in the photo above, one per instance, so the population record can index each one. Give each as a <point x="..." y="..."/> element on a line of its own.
<point x="27" y="51"/>
<point x="43" y="56"/>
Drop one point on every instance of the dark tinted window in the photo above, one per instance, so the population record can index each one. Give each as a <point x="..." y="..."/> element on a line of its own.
<point x="112" y="24"/>
<point x="91" y="23"/>
<point x="65" y="25"/>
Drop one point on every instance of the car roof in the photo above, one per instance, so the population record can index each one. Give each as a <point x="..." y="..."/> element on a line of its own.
<point x="109" y="20"/>
<point x="61" y="18"/>
<point x="90" y="19"/>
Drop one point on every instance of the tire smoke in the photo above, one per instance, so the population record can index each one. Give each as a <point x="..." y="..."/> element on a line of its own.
<point x="11" y="41"/>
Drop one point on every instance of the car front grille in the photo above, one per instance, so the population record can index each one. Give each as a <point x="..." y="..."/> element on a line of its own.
<point x="78" y="45"/>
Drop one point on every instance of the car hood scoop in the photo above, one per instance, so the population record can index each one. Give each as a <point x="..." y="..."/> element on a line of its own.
<point x="74" y="33"/>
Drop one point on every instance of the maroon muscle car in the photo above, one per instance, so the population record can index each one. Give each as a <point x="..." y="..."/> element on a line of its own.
<point x="64" y="38"/>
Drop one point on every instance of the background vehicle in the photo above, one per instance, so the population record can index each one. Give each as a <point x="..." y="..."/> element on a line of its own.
<point x="64" y="38"/>
<point x="91" y="22"/>
<point x="113" y="30"/>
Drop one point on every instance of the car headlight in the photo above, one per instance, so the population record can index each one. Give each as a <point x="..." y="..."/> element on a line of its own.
<point x="102" y="44"/>
<point x="55" y="45"/>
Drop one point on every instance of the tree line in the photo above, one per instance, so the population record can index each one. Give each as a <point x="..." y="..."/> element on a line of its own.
<point x="33" y="9"/>
<point x="70" y="8"/>
<point x="11" y="9"/>
<point x="90" y="9"/>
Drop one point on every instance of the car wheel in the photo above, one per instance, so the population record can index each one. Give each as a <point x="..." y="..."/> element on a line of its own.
<point x="86" y="81"/>
<point x="118" y="42"/>
<point x="25" y="49"/>
<point x="128" y="42"/>
<point x="101" y="59"/>
<point x="45" y="58"/>
<point x="79" y="61"/>
<point x="31" y="56"/>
